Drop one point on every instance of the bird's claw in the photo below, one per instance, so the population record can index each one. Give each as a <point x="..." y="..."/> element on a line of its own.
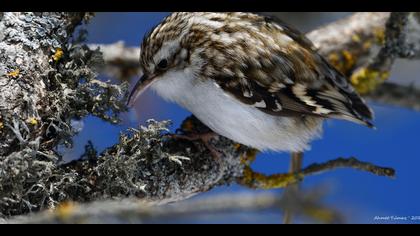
<point x="204" y="137"/>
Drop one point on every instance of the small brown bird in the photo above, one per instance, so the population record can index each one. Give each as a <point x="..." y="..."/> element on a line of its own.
<point x="247" y="77"/>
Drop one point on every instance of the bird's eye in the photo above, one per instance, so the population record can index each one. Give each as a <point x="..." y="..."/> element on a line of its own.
<point x="162" y="64"/>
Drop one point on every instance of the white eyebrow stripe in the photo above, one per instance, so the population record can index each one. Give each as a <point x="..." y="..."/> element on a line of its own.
<point x="167" y="49"/>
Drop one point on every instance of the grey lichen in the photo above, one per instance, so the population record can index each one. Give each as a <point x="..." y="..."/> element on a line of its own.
<point x="412" y="38"/>
<point x="149" y="163"/>
<point x="46" y="81"/>
<point x="144" y="164"/>
<point x="24" y="52"/>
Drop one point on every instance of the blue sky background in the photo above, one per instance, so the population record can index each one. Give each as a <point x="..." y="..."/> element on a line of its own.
<point x="360" y="196"/>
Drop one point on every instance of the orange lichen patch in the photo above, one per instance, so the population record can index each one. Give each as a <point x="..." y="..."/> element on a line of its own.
<point x="343" y="61"/>
<point x="32" y="121"/>
<point x="14" y="74"/>
<point x="334" y="58"/>
<point x="1" y="125"/>
<point x="367" y="44"/>
<point x="336" y="61"/>
<point x="257" y="180"/>
<point x="349" y="60"/>
<point x="58" y="54"/>
<point x="65" y="210"/>
<point x="366" y="80"/>
<point x="379" y="34"/>
<point x="355" y="38"/>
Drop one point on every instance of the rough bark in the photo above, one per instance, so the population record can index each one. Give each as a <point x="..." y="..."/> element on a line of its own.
<point x="26" y="44"/>
<point x="47" y="79"/>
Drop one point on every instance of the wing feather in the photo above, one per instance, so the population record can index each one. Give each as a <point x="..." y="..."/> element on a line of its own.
<point x="294" y="80"/>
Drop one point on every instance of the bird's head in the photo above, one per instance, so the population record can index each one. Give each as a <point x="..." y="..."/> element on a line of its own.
<point x="203" y="43"/>
<point x="165" y="49"/>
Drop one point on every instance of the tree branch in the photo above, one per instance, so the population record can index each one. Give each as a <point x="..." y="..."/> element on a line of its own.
<point x="351" y="42"/>
<point x="46" y="81"/>
<point x="137" y="211"/>
<point x="407" y="96"/>
<point x="121" y="62"/>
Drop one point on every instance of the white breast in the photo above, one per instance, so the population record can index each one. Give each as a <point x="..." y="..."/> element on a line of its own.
<point x="231" y="118"/>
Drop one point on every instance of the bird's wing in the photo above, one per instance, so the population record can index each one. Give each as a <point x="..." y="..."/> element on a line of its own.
<point x="292" y="79"/>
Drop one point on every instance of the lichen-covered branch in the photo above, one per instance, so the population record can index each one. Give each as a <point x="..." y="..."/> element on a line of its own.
<point x="260" y="181"/>
<point x="367" y="78"/>
<point x="27" y="43"/>
<point x="351" y="42"/>
<point x="149" y="164"/>
<point x="51" y="79"/>
<point x="368" y="44"/>
<point x="394" y="42"/>
<point x="47" y="78"/>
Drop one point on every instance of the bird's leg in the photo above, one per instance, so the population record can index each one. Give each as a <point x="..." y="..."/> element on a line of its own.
<point x="290" y="180"/>
<point x="203" y="137"/>
<point x="291" y="191"/>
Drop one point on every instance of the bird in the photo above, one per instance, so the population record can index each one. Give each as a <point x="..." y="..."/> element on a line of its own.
<point x="249" y="77"/>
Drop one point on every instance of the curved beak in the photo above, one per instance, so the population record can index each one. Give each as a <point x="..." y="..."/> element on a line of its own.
<point x="142" y="84"/>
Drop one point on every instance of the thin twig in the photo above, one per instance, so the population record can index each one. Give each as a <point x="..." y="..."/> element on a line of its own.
<point x="348" y="163"/>
<point x="394" y="42"/>
<point x="257" y="180"/>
